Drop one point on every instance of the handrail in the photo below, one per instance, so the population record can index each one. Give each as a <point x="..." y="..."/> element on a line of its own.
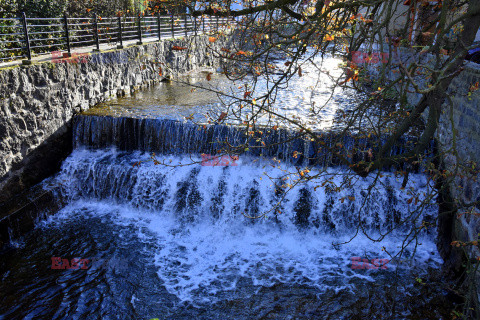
<point x="69" y="32"/>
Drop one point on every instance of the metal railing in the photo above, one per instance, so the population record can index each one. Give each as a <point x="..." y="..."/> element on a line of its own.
<point x="29" y="37"/>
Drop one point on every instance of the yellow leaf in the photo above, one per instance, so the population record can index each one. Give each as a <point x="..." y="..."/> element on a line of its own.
<point x="328" y="37"/>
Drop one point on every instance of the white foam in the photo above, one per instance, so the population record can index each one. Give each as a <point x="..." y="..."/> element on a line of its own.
<point x="204" y="259"/>
<point x="203" y="262"/>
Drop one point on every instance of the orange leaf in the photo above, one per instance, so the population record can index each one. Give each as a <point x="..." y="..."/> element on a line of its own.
<point x="246" y="94"/>
<point x="299" y="71"/>
<point x="212" y="39"/>
<point x="288" y="63"/>
<point x="328" y="37"/>
<point x="241" y="53"/>
<point x="209" y="76"/>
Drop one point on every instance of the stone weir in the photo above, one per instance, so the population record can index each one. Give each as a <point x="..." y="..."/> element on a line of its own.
<point x="164" y="136"/>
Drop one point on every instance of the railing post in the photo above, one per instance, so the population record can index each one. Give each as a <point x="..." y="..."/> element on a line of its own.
<point x="27" y="40"/>
<point x="67" y="36"/>
<point x="217" y="23"/>
<point x="95" y="29"/>
<point x="159" y="22"/>
<point x="173" y="28"/>
<point x="195" y="25"/>
<point x="186" y="28"/>
<point x="139" y="30"/>
<point x="120" y="36"/>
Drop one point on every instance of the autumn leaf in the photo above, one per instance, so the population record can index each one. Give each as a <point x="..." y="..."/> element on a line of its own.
<point x="225" y="50"/>
<point x="222" y="116"/>
<point x="241" y="53"/>
<point x="246" y="94"/>
<point x="212" y="39"/>
<point x="137" y="164"/>
<point x="160" y="71"/>
<point x="209" y="76"/>
<point x="328" y="37"/>
<point x="177" y="48"/>
<point x="288" y="63"/>
<point x="299" y="71"/>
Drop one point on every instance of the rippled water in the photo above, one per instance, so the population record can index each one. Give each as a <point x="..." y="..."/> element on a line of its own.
<point x="147" y="265"/>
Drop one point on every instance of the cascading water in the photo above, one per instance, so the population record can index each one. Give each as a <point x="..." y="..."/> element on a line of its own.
<point x="178" y="241"/>
<point x="174" y="241"/>
<point x="174" y="137"/>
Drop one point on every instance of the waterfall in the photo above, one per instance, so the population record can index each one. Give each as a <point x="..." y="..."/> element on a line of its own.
<point x="165" y="136"/>
<point x="193" y="192"/>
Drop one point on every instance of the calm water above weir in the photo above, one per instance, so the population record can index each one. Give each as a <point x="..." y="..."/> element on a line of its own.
<point x="311" y="98"/>
<point x="174" y="242"/>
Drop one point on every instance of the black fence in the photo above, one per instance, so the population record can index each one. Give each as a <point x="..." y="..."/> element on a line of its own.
<point x="26" y="37"/>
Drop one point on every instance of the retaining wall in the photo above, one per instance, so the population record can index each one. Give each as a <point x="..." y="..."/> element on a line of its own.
<point x="38" y="102"/>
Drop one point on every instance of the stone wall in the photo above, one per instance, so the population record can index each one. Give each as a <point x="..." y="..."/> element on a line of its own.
<point x="459" y="138"/>
<point x="38" y="102"/>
